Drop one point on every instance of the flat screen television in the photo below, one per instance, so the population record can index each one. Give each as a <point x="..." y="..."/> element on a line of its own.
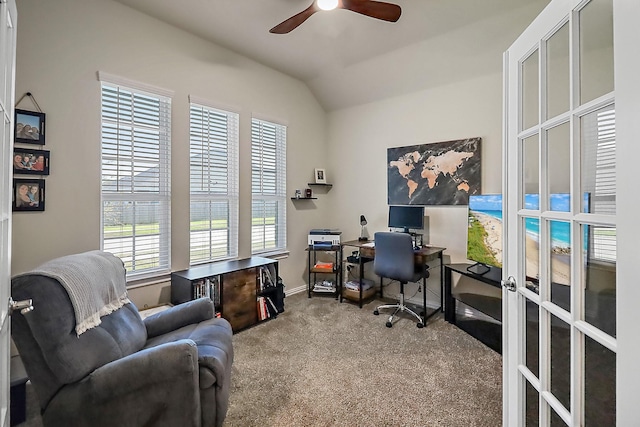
<point x="484" y="236"/>
<point x="406" y="217"/>
<point x="484" y="232"/>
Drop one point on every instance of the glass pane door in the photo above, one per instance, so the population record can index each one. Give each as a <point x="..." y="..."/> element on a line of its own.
<point x="560" y="210"/>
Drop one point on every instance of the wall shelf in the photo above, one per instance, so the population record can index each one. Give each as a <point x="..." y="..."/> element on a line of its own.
<point x="321" y="185"/>
<point x="304" y="198"/>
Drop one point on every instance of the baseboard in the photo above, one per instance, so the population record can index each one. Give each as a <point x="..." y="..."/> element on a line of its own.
<point x="297" y="290"/>
<point x="418" y="302"/>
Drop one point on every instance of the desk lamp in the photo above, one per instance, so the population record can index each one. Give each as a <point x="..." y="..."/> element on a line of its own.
<point x="363" y="222"/>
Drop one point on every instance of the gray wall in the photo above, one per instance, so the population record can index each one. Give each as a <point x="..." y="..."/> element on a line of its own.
<point x="360" y="136"/>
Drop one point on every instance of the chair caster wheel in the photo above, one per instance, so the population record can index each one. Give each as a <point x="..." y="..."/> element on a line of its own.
<point x="389" y="324"/>
<point x="376" y="312"/>
<point x="420" y="325"/>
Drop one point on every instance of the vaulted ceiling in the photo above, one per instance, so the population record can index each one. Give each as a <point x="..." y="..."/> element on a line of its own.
<point x="348" y="59"/>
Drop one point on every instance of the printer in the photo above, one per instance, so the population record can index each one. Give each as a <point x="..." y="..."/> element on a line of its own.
<point x="324" y="237"/>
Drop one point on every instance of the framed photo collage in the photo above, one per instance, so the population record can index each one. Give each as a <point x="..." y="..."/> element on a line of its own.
<point x="29" y="191"/>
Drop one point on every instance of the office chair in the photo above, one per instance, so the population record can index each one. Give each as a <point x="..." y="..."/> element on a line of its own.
<point x="394" y="259"/>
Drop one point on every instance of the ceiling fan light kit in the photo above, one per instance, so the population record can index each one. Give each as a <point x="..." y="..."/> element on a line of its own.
<point x="374" y="9"/>
<point x="327" y="4"/>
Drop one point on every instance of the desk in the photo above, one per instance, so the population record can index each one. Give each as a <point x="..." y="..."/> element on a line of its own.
<point x="422" y="256"/>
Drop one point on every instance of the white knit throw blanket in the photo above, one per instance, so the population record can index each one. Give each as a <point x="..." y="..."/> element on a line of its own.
<point x="95" y="282"/>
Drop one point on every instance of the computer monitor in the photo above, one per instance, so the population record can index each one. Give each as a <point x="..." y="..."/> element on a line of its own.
<point x="406" y="217"/>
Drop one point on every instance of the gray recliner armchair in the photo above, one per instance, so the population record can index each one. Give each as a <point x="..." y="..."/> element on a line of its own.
<point x="172" y="369"/>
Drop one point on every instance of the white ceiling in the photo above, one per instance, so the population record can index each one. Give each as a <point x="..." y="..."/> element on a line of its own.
<point x="348" y="59"/>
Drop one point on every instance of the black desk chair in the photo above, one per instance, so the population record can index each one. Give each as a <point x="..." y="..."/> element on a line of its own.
<point x="395" y="259"/>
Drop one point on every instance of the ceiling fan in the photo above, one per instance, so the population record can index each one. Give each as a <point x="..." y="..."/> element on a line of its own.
<point x="375" y="9"/>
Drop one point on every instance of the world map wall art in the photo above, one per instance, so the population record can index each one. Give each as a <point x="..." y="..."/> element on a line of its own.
<point x="442" y="173"/>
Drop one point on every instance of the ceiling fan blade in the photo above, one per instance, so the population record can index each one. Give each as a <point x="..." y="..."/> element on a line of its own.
<point x="375" y="9"/>
<point x="293" y="22"/>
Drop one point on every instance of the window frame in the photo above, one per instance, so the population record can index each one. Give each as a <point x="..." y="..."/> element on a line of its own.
<point x="268" y="184"/>
<point x="160" y="195"/>
<point x="231" y="193"/>
<point x="601" y="152"/>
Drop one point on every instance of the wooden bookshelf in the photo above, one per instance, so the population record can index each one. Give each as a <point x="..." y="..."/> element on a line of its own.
<point x="245" y="292"/>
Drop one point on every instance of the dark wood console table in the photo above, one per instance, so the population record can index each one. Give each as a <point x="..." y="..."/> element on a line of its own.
<point x="488" y="333"/>
<point x="238" y="289"/>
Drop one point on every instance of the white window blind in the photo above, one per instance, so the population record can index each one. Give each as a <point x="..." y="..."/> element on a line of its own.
<point x="268" y="186"/>
<point x="214" y="191"/>
<point x="136" y="139"/>
<point x="599" y="177"/>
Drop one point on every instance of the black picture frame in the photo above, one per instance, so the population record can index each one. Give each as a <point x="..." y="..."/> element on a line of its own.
<point x="30" y="162"/>
<point x="28" y="200"/>
<point x="29" y="128"/>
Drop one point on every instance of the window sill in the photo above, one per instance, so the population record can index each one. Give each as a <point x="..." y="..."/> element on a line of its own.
<point x="277" y="255"/>
<point x="148" y="281"/>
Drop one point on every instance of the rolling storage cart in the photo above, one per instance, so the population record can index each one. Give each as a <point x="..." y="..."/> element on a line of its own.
<point x="327" y="275"/>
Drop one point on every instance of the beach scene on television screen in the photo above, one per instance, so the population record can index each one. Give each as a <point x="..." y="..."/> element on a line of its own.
<point x="484" y="240"/>
<point x="484" y="243"/>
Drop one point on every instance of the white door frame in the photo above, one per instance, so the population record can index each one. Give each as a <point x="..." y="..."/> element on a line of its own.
<point x="8" y="33"/>
<point x="627" y="74"/>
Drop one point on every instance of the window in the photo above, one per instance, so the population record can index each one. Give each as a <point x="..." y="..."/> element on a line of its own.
<point x="213" y="160"/>
<point x="268" y="186"/>
<point x="599" y="177"/>
<point x="136" y="138"/>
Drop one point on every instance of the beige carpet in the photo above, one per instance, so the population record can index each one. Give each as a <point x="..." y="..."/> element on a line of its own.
<point x="322" y="363"/>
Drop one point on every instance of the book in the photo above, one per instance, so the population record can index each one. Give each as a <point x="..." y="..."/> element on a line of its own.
<point x="328" y="266"/>
<point x="354" y="285"/>
<point x="262" y="312"/>
<point x="269" y="281"/>
<point x="214" y="290"/>
<point x="324" y="286"/>
<point x="273" y="307"/>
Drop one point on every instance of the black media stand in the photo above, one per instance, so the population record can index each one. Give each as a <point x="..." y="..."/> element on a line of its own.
<point x="490" y="333"/>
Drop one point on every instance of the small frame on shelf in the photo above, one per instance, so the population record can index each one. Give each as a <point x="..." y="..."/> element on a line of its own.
<point x="303" y="195"/>
<point x="321" y="176"/>
<point x="28" y="194"/>
<point x="30" y="162"/>
<point x="29" y="127"/>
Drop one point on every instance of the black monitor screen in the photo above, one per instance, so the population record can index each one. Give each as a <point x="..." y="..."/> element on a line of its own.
<point x="406" y="217"/>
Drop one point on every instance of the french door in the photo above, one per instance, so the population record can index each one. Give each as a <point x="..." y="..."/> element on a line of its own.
<point x="7" y="75"/>
<point x="564" y="224"/>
